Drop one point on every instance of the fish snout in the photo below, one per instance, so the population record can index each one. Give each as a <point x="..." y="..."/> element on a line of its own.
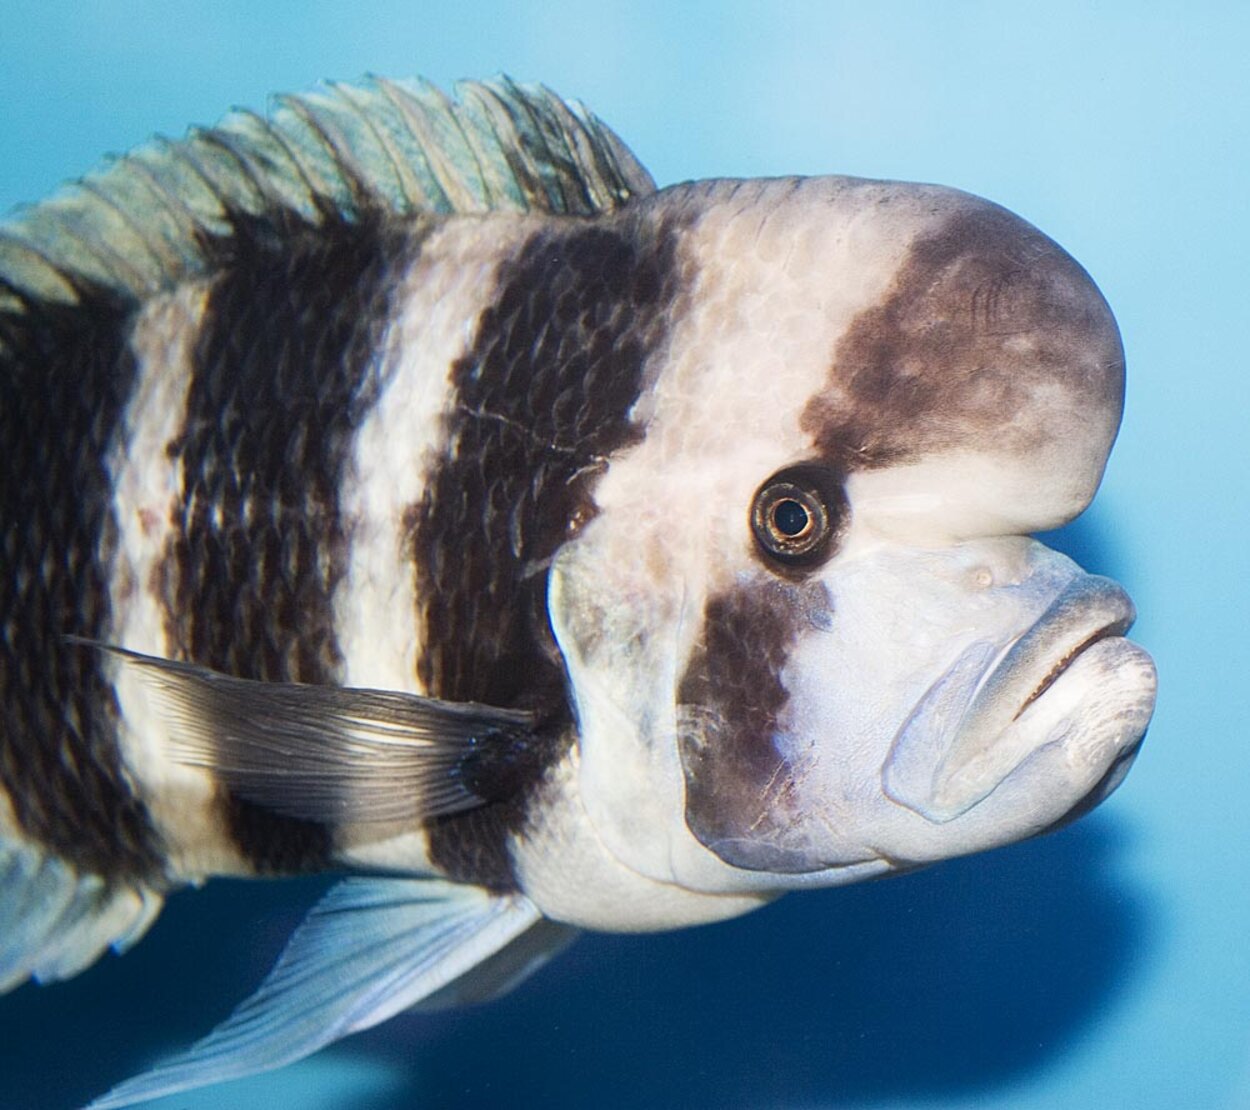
<point x="1062" y="709"/>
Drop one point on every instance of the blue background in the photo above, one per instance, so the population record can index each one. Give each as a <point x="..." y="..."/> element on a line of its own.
<point x="1106" y="965"/>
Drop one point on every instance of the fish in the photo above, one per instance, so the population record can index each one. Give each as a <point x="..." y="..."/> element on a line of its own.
<point x="401" y="486"/>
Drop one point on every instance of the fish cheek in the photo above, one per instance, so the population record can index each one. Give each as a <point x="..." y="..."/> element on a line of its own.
<point x="741" y="791"/>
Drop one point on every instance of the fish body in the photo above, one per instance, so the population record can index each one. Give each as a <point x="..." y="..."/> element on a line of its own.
<point x="406" y="487"/>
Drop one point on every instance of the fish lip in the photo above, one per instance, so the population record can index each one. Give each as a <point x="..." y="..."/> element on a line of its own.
<point x="1114" y="629"/>
<point x="973" y="728"/>
<point x="1088" y="610"/>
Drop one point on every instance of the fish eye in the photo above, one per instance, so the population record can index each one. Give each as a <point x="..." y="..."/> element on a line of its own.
<point x="798" y="513"/>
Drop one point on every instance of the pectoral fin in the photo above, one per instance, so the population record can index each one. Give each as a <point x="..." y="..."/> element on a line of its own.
<point x="334" y="754"/>
<point x="369" y="949"/>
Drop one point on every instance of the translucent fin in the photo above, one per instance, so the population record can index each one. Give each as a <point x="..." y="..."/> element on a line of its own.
<point x="506" y="969"/>
<point x="371" y="948"/>
<point x="335" y="754"/>
<point x="143" y="222"/>
<point x="55" y="922"/>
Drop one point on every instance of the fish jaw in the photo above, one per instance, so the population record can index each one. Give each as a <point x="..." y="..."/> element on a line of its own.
<point x="994" y="702"/>
<point x="937" y="702"/>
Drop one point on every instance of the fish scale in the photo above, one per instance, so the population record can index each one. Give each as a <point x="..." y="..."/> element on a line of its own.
<point x="283" y="354"/>
<point x="534" y="384"/>
<point x="403" y="486"/>
<point x="60" y="766"/>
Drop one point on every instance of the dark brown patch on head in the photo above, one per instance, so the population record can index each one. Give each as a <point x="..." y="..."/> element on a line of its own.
<point x="982" y="312"/>
<point x="731" y="703"/>
<point x="66" y="373"/>
<point x="542" y="400"/>
<point x="285" y="372"/>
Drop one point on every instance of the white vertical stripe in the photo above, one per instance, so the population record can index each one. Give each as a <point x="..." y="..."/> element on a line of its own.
<point x="147" y="490"/>
<point x="402" y="442"/>
<point x="782" y="269"/>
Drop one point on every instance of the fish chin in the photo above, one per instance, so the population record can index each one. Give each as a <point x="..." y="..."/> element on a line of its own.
<point x="1051" y="724"/>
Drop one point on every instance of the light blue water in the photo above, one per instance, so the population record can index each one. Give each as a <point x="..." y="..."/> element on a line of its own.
<point x="1108" y="965"/>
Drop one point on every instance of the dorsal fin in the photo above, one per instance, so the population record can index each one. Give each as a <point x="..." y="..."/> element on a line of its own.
<point x="140" y="223"/>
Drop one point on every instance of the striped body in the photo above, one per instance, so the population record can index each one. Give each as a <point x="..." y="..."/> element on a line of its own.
<point x="347" y="458"/>
<point x="296" y="471"/>
<point x="350" y="458"/>
<point x="679" y="539"/>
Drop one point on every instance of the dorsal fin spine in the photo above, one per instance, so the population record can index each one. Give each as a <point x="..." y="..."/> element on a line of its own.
<point x="52" y="234"/>
<point x="165" y="214"/>
<point x="428" y="190"/>
<point x="343" y="188"/>
<point x="301" y="187"/>
<point x="447" y="125"/>
<point x="501" y="188"/>
<point x="531" y="138"/>
<point x="84" y="227"/>
<point x="405" y="183"/>
<point x="145" y="221"/>
<point x="43" y="278"/>
<point x="153" y="245"/>
<point x="196" y="191"/>
<point x="222" y="141"/>
<point x="229" y="176"/>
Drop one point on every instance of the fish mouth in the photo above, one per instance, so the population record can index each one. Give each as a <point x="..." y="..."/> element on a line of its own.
<point x="1089" y="610"/>
<point x="1070" y="679"/>
<point x="1116" y="628"/>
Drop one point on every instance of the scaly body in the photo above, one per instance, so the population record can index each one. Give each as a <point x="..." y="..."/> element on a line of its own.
<point x="594" y="555"/>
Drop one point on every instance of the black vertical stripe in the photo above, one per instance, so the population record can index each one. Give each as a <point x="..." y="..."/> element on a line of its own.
<point x="542" y="399"/>
<point x="65" y="376"/>
<point x="284" y="373"/>
<point x="739" y="787"/>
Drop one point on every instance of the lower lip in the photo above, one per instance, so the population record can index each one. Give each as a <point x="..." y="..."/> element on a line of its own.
<point x="1088" y="610"/>
<point x="1107" y="632"/>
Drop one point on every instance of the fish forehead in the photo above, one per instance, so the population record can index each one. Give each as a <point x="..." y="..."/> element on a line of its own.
<point x="988" y="330"/>
<point x="872" y="323"/>
<point x="779" y="267"/>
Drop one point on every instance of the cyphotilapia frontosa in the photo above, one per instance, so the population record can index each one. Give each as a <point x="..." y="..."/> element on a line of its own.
<point x="405" y="486"/>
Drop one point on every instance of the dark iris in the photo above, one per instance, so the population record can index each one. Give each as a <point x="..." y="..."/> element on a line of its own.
<point x="798" y="513"/>
<point x="790" y="517"/>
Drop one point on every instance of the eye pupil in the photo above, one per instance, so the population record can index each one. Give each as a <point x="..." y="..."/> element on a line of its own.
<point x="790" y="517"/>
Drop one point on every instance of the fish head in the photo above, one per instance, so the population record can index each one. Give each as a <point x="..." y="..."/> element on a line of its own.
<point x="808" y="636"/>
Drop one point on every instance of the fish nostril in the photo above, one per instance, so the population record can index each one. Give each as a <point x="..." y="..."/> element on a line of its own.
<point x="983" y="577"/>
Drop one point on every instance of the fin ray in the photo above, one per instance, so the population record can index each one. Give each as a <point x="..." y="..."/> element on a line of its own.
<point x="334" y="754"/>
<point x="506" y="969"/>
<point x="369" y="949"/>
<point x="54" y="922"/>
<point x="142" y="222"/>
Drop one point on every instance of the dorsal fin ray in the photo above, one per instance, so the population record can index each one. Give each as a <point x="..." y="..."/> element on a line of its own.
<point x="142" y="222"/>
